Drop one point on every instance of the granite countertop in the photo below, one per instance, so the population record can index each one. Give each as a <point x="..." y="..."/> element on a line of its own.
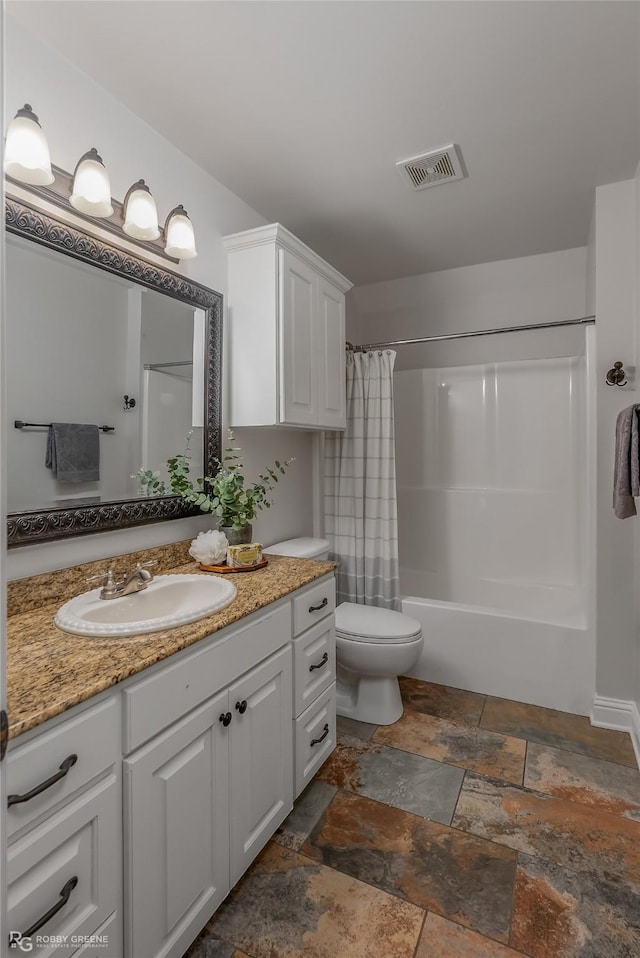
<point x="49" y="671"/>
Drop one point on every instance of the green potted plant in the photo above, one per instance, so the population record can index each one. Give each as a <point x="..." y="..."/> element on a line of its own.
<point x="150" y="484"/>
<point x="227" y="494"/>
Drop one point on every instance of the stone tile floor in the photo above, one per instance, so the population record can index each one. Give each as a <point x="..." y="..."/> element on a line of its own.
<point x="474" y="827"/>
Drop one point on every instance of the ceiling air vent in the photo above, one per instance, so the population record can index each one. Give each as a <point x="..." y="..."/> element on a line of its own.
<point x="431" y="169"/>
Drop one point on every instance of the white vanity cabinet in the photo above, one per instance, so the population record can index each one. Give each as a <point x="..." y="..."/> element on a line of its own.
<point x="144" y="807"/>
<point x="203" y="797"/>
<point x="64" y="860"/>
<point x="286" y="310"/>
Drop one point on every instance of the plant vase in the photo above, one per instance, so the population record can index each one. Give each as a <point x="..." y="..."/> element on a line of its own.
<point x="237" y="537"/>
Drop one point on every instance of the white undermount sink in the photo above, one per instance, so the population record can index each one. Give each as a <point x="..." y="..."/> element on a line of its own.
<point x="168" y="601"/>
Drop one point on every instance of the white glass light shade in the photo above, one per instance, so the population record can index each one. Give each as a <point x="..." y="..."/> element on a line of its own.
<point x="26" y="151"/>
<point x="140" y="213"/>
<point x="180" y="241"/>
<point x="91" y="188"/>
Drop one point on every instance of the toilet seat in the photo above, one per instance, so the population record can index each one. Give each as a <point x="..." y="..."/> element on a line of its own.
<point x="366" y="623"/>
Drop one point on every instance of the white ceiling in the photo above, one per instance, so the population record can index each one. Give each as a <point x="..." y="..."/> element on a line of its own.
<point x="303" y="109"/>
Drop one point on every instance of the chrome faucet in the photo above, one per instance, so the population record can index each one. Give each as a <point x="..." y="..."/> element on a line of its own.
<point x="135" y="581"/>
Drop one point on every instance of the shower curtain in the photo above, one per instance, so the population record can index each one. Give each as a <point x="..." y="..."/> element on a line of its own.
<point x="360" y="486"/>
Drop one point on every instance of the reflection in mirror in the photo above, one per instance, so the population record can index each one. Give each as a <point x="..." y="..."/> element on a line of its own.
<point x="171" y="361"/>
<point x="79" y="340"/>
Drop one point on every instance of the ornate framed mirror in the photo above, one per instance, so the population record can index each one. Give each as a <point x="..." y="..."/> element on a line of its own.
<point x="103" y="367"/>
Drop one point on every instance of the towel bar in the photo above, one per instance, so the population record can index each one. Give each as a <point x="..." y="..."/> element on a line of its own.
<point x="19" y="424"/>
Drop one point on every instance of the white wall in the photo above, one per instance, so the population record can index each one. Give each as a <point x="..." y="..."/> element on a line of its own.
<point x="77" y="114"/>
<point x="614" y="285"/>
<point x="532" y="289"/>
<point x="615" y="294"/>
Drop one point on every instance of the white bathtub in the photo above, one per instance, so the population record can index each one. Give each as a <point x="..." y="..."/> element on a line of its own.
<point x="545" y="658"/>
<point x="494" y="526"/>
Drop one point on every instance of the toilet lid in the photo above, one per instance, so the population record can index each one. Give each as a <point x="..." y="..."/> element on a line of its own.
<point x="368" y="623"/>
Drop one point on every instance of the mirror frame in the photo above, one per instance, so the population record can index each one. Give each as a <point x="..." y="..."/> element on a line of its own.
<point x="44" y="525"/>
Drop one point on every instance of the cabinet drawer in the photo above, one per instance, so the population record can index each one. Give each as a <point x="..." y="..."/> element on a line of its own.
<point x="313" y="605"/>
<point x="93" y="736"/>
<point x="315" y="734"/>
<point x="161" y="699"/>
<point x="72" y="859"/>
<point x="314" y="663"/>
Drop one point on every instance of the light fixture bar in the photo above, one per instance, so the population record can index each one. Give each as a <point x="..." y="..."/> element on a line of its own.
<point x="59" y="192"/>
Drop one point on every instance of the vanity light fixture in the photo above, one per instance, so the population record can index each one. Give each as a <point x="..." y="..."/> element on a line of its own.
<point x="87" y="192"/>
<point x="179" y="237"/>
<point x="140" y="213"/>
<point x="91" y="191"/>
<point x="26" y="152"/>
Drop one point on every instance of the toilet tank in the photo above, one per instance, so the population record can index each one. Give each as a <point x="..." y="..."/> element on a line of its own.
<point x="305" y="547"/>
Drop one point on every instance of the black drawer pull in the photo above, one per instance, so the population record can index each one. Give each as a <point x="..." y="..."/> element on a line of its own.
<point x="225" y="718"/>
<point x="323" y="661"/>
<point x="325" y="732"/>
<point x="64" y="768"/>
<point x="323" y="605"/>
<point x="242" y="706"/>
<point x="65" y="894"/>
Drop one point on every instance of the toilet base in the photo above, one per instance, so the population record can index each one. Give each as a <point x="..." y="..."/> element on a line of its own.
<point x="373" y="699"/>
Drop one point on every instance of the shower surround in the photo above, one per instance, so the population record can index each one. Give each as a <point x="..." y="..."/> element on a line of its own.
<point x="493" y="528"/>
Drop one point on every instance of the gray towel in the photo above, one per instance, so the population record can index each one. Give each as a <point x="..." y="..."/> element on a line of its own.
<point x="73" y="452"/>
<point x="626" y="472"/>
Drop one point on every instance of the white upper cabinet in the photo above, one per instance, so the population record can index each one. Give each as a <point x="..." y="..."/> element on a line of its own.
<point x="286" y="325"/>
<point x="299" y="360"/>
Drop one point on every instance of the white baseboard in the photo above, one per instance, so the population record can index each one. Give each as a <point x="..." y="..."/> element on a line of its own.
<point x="620" y="715"/>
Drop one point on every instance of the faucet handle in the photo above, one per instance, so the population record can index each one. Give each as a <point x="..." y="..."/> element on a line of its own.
<point x="142" y="567"/>
<point x="108" y="580"/>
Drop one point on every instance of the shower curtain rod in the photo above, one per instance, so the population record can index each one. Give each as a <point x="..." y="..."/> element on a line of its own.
<point x="583" y="321"/>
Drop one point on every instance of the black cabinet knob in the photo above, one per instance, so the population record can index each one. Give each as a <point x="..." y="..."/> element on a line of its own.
<point x="242" y="706"/>
<point x="225" y="718"/>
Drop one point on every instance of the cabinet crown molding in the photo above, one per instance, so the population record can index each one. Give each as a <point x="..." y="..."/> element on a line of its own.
<point x="278" y="234"/>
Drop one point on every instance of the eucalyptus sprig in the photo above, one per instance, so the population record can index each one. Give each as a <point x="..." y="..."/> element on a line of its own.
<point x="179" y="467"/>
<point x="149" y="482"/>
<point x="225" y="494"/>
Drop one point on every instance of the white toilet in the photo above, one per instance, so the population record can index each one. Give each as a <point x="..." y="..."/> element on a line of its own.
<point x="374" y="646"/>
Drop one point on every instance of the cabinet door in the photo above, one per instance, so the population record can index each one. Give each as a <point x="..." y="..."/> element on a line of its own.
<point x="177" y="849"/>
<point x="298" y="360"/>
<point x="331" y="357"/>
<point x="261" y="757"/>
